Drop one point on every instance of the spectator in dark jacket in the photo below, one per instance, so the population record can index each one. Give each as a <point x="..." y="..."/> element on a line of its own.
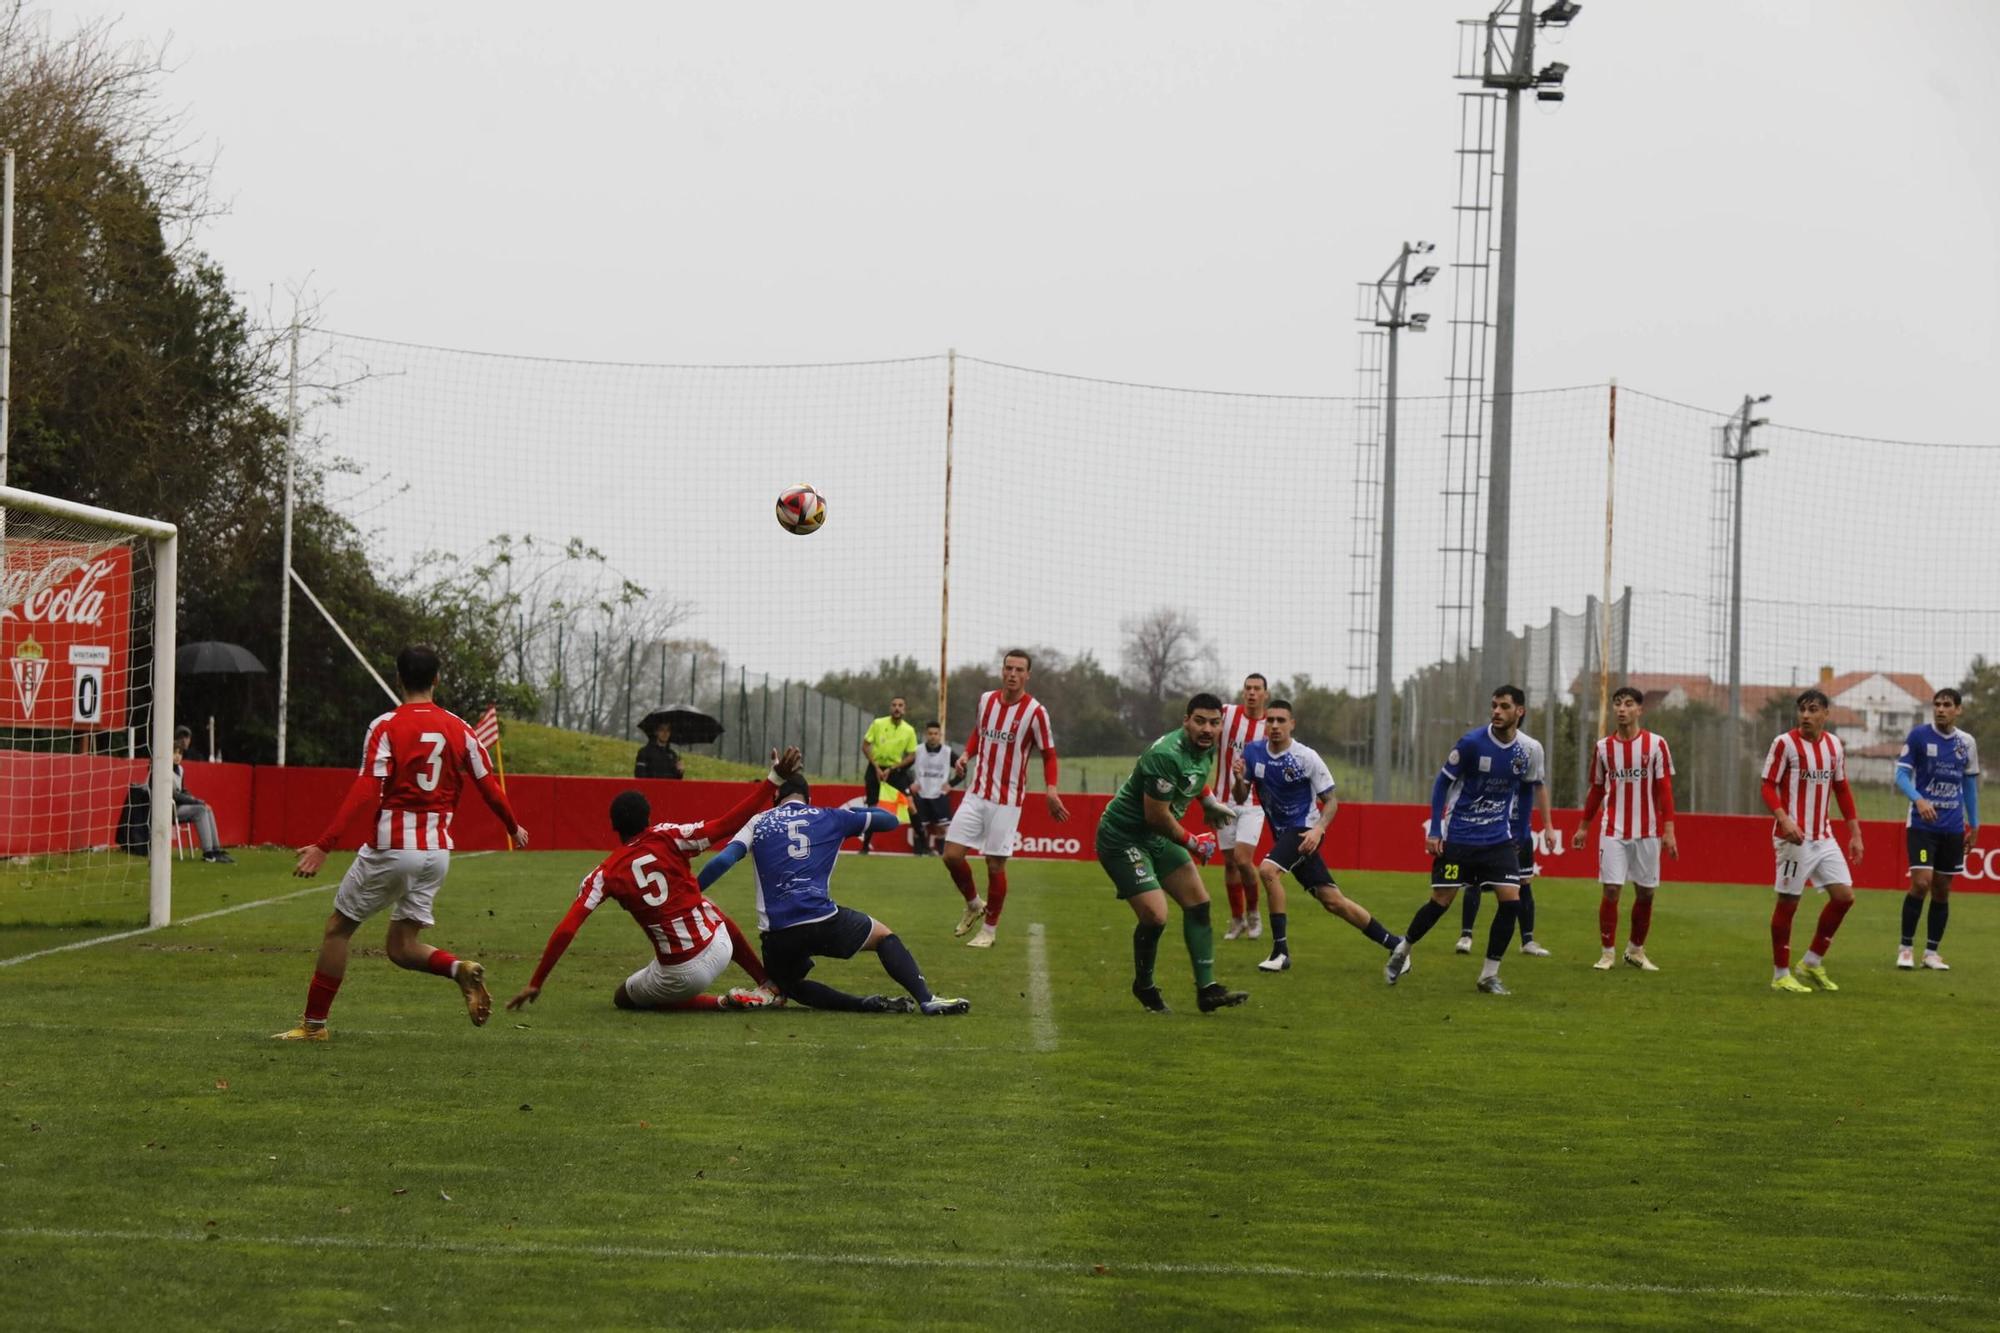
<point x="191" y="809"/>
<point x="656" y="757"/>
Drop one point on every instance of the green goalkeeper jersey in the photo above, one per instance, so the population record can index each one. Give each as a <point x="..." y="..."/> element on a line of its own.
<point x="1171" y="770"/>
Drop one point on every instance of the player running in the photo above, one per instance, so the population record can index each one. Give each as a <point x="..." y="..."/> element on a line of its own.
<point x="1632" y="781"/>
<point x="1290" y="778"/>
<point x="1008" y="723"/>
<point x="1804" y="765"/>
<point x="792" y="852"/>
<point x="1471" y="834"/>
<point x="1148" y="855"/>
<point x="1242" y="723"/>
<point x="414" y="763"/>
<point x="1533" y="796"/>
<point x="1938" y="772"/>
<point x="650" y="877"/>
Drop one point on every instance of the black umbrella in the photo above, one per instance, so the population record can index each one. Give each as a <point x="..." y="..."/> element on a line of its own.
<point x="691" y="725"/>
<point x="213" y="658"/>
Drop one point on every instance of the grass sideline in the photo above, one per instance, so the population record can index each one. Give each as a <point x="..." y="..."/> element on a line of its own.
<point x="1600" y="1149"/>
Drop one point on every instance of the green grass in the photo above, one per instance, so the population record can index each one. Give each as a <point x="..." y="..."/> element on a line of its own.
<point x="530" y="747"/>
<point x="1333" y="1153"/>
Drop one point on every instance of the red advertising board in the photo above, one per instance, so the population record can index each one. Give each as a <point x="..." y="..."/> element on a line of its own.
<point x="65" y="635"/>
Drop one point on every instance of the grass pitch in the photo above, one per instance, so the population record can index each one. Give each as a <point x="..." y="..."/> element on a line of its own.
<point x="1598" y="1150"/>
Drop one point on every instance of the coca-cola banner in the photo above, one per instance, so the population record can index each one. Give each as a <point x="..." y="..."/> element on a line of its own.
<point x="65" y="631"/>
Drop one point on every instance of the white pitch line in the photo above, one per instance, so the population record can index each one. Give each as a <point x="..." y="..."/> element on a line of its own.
<point x="185" y="921"/>
<point x="996" y="1263"/>
<point x="1041" y="1007"/>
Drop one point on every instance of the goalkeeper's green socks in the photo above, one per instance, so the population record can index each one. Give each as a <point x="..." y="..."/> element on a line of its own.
<point x="1200" y="937"/>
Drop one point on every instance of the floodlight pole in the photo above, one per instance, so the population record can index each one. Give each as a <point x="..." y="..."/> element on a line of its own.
<point x="285" y="555"/>
<point x="1738" y="453"/>
<point x="6" y="302"/>
<point x="1392" y="291"/>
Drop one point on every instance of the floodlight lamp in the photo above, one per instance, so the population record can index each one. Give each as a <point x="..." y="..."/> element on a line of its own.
<point x="1419" y="322"/>
<point x="1762" y="398"/>
<point x="1761" y="421"/>
<point x="1548" y="94"/>
<point x="1428" y="272"/>
<point x="1559" y="14"/>
<point x="1421" y="247"/>
<point x="1552" y="73"/>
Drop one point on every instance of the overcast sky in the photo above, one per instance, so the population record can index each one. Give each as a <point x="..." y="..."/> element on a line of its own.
<point x="1772" y="195"/>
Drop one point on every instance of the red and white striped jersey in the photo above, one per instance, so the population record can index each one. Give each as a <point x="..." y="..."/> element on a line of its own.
<point x="650" y="878"/>
<point x="1238" y="730"/>
<point x="999" y="744"/>
<point x="1805" y="776"/>
<point x="422" y="755"/>
<point x="1628" y="776"/>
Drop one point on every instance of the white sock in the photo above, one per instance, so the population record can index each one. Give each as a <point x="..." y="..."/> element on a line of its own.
<point x="454" y="967"/>
<point x="1778" y="973"/>
<point x="1235" y="920"/>
<point x="1812" y="959"/>
<point x="1489" y="968"/>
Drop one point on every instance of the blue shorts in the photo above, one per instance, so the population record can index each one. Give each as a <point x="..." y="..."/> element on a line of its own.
<point x="1306" y="867"/>
<point x="1936" y="850"/>
<point x="789" y="953"/>
<point x="1463" y="867"/>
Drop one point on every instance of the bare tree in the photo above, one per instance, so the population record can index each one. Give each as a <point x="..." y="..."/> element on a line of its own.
<point x="1165" y="654"/>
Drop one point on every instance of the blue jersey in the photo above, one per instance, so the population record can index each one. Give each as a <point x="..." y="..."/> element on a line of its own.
<point x="1473" y="799"/>
<point x="1531" y="781"/>
<point x="1941" y="768"/>
<point x="1288" y="783"/>
<point x="792" y="852"/>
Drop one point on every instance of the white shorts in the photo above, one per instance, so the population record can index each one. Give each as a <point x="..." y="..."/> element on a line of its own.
<point x="1636" y="859"/>
<point x="1818" y="861"/>
<point x="377" y="879"/>
<point x="985" y="826"/>
<point x="1246" y="828"/>
<point x="658" y="984"/>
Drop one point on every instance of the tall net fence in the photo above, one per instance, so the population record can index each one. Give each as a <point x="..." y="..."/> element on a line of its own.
<point x="76" y="712"/>
<point x="1143" y="541"/>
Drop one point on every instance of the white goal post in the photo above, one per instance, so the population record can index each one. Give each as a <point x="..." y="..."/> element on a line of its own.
<point x="28" y="519"/>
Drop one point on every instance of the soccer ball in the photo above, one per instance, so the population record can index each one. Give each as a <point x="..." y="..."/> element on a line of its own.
<point x="801" y="511"/>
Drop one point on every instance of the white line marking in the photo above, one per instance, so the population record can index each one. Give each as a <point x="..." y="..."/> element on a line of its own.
<point x="148" y="930"/>
<point x="1041" y="1009"/>
<point x="188" y="921"/>
<point x="994" y="1263"/>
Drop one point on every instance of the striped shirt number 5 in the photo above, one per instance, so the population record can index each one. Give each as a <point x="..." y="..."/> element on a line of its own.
<point x="427" y="777"/>
<point x="649" y="878"/>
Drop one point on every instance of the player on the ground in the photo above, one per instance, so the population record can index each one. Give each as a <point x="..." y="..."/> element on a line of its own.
<point x="1805" y="767"/>
<point x="1149" y="855"/>
<point x="930" y="791"/>
<point x="1938" y="773"/>
<point x="649" y="876"/>
<point x="1533" y="796"/>
<point x="1291" y="777"/>
<point x="1008" y="722"/>
<point x="1632" y="780"/>
<point x="414" y="762"/>
<point x="1241" y="723"/>
<point x="792" y="852"/>
<point x="1471" y="834"/>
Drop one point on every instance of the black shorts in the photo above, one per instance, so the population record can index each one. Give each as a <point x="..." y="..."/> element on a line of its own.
<point x="931" y="809"/>
<point x="899" y="778"/>
<point x="1463" y="867"/>
<point x="1306" y="867"/>
<point x="789" y="953"/>
<point x="1524" y="858"/>
<point x="1933" y="849"/>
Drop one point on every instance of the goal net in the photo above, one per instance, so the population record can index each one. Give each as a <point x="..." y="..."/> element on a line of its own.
<point x="86" y="760"/>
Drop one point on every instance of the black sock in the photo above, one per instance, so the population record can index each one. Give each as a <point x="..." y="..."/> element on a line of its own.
<point x="1913" y="907"/>
<point x="1145" y="951"/>
<point x="1427" y="916"/>
<point x="1375" y="931"/>
<point x="815" y="995"/>
<point x="898" y="963"/>
<point x="1502" y="930"/>
<point x="1940" y="915"/>
<point x="1278" y="944"/>
<point x="1468" y="909"/>
<point x="1527" y="913"/>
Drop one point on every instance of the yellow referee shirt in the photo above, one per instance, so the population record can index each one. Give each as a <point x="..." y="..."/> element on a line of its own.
<point x="890" y="741"/>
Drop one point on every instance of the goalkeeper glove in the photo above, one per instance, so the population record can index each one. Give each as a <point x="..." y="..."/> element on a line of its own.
<point x="1202" y="845"/>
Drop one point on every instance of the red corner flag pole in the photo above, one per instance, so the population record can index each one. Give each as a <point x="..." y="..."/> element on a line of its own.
<point x="487" y="732"/>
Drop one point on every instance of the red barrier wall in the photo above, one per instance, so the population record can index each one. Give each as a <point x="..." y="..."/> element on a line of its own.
<point x="290" y="807"/>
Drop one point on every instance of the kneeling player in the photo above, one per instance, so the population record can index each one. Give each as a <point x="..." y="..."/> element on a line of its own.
<point x="1146" y="852"/>
<point x="793" y="850"/>
<point x="1289" y="778"/>
<point x="649" y="876"/>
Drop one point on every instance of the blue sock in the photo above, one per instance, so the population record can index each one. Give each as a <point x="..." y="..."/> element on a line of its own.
<point x="1468" y="908"/>
<point x="1913" y="907"/>
<point x="1427" y="916"/>
<point x="1502" y="930"/>
<point x="1940" y="916"/>
<point x="1527" y="913"/>
<point x="1374" y="931"/>
<point x="898" y="962"/>
<point x="1278" y="945"/>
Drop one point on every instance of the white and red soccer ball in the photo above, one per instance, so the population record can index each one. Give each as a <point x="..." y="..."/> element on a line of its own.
<point x="801" y="511"/>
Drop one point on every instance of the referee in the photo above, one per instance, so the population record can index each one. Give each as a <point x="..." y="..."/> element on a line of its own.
<point x="890" y="747"/>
